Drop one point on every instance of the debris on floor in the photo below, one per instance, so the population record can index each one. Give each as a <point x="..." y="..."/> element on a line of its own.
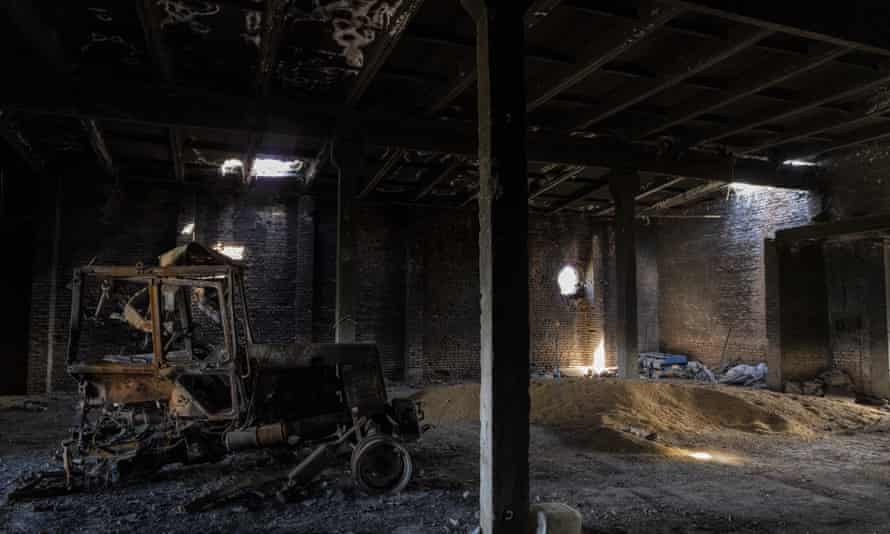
<point x="746" y="375"/>
<point x="832" y="382"/>
<point x="664" y="365"/>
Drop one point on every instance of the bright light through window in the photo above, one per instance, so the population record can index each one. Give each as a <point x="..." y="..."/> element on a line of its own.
<point x="276" y="168"/>
<point x="568" y="281"/>
<point x="233" y="251"/>
<point x="799" y="163"/>
<point x="188" y="229"/>
<point x="231" y="166"/>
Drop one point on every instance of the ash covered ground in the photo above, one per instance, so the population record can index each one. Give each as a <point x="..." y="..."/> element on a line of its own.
<point x="754" y="478"/>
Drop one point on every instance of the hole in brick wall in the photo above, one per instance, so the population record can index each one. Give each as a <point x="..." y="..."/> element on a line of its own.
<point x="569" y="281"/>
<point x="188" y="229"/>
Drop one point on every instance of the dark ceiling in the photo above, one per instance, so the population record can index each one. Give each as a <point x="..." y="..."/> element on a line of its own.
<point x="688" y="93"/>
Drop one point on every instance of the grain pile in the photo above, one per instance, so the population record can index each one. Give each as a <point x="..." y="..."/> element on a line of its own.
<point x="607" y="414"/>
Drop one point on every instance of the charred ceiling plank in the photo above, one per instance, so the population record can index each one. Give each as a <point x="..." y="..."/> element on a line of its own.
<point x="678" y="73"/>
<point x="860" y="25"/>
<point x="311" y="121"/>
<point x="382" y="49"/>
<point x="747" y="87"/>
<point x="154" y="39"/>
<point x="579" y="197"/>
<point x="536" y="12"/>
<point x="813" y="103"/>
<point x="655" y="188"/>
<point x="438" y="177"/>
<point x="383" y="171"/>
<point x="652" y="17"/>
<point x="100" y="149"/>
<point x="683" y="198"/>
<point x="15" y="140"/>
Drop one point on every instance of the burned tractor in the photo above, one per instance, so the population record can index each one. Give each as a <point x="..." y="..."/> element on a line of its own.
<point x="169" y="372"/>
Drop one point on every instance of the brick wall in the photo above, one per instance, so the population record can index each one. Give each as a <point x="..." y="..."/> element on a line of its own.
<point x="711" y="273"/>
<point x="418" y="270"/>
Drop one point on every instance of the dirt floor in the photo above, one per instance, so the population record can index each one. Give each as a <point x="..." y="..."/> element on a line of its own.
<point x="717" y="459"/>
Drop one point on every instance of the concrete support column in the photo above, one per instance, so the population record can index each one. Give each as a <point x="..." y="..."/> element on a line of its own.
<point x="624" y="187"/>
<point x="305" y="269"/>
<point x="503" y="264"/>
<point x="350" y="159"/>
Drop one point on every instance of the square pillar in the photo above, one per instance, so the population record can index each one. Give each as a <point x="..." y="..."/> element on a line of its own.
<point x="350" y="159"/>
<point x="624" y="188"/>
<point x="503" y="265"/>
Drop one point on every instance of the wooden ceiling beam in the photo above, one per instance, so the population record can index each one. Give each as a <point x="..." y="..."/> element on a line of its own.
<point x="656" y="187"/>
<point x="380" y="52"/>
<point x="578" y="197"/>
<point x="812" y="133"/>
<point x="385" y="168"/>
<point x="569" y="174"/>
<point x="813" y="103"/>
<point x="615" y="43"/>
<point x="678" y="73"/>
<point x="746" y="87"/>
<point x="848" y="26"/>
<point x="537" y="11"/>
<point x="445" y="174"/>
<point x="312" y="121"/>
<point x="683" y="198"/>
<point x="100" y="149"/>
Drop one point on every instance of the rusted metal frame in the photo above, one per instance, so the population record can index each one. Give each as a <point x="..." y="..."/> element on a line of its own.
<point x="653" y="16"/>
<point x="579" y="196"/>
<point x="748" y="37"/>
<point x="381" y="51"/>
<point x="536" y="12"/>
<point x="154" y="304"/>
<point x="382" y="172"/>
<point x="746" y="87"/>
<point x="683" y="198"/>
<point x="664" y="184"/>
<point x="811" y="133"/>
<point x="75" y="321"/>
<point x="812" y="104"/>
<point x="100" y="148"/>
<point x="855" y="226"/>
<point x="426" y="188"/>
<point x="571" y="173"/>
<point x="731" y="15"/>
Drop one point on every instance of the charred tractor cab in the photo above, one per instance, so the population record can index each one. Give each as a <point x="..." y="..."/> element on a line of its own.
<point x="169" y="372"/>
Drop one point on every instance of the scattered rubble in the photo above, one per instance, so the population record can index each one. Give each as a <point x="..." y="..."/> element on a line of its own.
<point x="746" y="375"/>
<point x="832" y="382"/>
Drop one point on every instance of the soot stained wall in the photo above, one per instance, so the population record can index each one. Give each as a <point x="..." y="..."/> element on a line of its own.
<point x="711" y="274"/>
<point x="418" y="270"/>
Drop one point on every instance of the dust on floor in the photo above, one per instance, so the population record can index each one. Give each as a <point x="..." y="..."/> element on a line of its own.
<point x="783" y="464"/>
